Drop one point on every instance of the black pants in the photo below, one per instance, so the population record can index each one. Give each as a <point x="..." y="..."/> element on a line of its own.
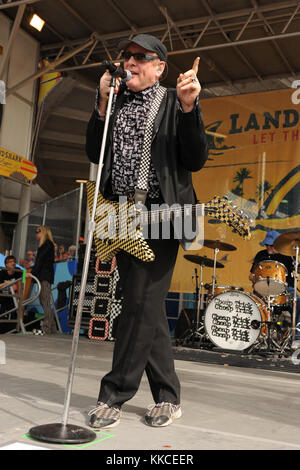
<point x="143" y="338"/>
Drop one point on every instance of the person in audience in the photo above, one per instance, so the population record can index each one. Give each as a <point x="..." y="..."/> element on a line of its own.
<point x="43" y="269"/>
<point x="7" y="303"/>
<point x="71" y="253"/>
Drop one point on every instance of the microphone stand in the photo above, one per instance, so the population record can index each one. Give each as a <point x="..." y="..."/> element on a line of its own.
<point x="64" y="432"/>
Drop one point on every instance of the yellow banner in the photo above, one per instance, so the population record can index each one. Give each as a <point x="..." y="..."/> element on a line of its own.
<point x="254" y="159"/>
<point x="47" y="82"/>
<point x="15" y="167"/>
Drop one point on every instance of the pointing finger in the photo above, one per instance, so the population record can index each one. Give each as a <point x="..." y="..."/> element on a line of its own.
<point x="196" y="65"/>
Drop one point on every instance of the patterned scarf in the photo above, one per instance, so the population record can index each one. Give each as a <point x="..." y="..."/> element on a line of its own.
<point x="128" y="138"/>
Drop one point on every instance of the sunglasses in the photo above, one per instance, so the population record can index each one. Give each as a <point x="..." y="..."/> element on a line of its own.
<point x="139" y="56"/>
<point x="38" y="231"/>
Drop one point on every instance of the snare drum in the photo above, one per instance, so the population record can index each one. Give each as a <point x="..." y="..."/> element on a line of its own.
<point x="270" y="278"/>
<point x="232" y="320"/>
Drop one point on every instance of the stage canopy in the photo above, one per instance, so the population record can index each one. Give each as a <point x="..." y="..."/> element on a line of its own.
<point x="245" y="46"/>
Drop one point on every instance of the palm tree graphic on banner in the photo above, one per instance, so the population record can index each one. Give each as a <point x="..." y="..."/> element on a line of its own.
<point x="239" y="178"/>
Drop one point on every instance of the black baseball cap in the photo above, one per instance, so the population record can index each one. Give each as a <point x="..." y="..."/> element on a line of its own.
<point x="148" y="42"/>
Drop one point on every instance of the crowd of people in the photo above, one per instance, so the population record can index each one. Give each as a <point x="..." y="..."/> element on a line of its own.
<point x="39" y="263"/>
<point x="60" y="254"/>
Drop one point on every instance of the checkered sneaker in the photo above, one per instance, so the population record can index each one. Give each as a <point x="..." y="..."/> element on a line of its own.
<point x="104" y="416"/>
<point x="162" y="414"/>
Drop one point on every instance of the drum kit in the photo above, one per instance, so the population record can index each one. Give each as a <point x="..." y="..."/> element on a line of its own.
<point x="262" y="321"/>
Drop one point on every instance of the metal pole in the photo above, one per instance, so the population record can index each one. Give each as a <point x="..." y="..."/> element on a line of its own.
<point x="17" y="3"/>
<point x="14" y="31"/>
<point x="79" y="216"/>
<point x="63" y="432"/>
<point x="86" y="261"/>
<point x="44" y="214"/>
<point x="49" y="67"/>
<point x="214" y="271"/>
<point x="295" y="291"/>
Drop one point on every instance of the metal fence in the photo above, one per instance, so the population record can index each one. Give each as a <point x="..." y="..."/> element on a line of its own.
<point x="62" y="215"/>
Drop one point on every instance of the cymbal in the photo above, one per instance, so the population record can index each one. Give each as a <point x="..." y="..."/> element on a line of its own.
<point x="286" y="242"/>
<point x="203" y="261"/>
<point x="218" y="244"/>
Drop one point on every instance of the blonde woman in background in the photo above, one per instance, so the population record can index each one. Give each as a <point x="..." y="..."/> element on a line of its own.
<point x="43" y="269"/>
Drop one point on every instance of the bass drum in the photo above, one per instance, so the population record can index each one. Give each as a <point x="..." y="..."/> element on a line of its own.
<point x="231" y="320"/>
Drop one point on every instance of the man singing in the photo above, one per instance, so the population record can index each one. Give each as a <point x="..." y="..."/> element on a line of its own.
<point x="178" y="148"/>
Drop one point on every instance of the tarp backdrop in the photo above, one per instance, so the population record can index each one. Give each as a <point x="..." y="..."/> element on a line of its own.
<point x="254" y="159"/>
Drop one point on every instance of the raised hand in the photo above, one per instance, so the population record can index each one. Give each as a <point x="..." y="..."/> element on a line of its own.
<point x="188" y="87"/>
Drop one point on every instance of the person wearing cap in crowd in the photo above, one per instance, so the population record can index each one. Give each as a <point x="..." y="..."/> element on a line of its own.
<point x="179" y="147"/>
<point x="269" y="253"/>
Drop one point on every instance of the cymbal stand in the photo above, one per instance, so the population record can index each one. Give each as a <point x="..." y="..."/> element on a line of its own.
<point x="195" y="276"/>
<point x="292" y="331"/>
<point x="200" y="303"/>
<point x="270" y="324"/>
<point x="216" y="251"/>
<point x="194" y="331"/>
<point x="295" y="291"/>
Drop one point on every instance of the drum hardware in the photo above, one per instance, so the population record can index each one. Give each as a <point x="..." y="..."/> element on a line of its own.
<point x="214" y="280"/>
<point x="203" y="261"/>
<point x="278" y="333"/>
<point x="267" y="339"/>
<point x="198" y="295"/>
<point x="266" y="342"/>
<point x="217" y="245"/>
<point x="274" y="337"/>
<point x="288" y="244"/>
<point x="193" y="333"/>
<point x="287" y="341"/>
<point x="197" y="330"/>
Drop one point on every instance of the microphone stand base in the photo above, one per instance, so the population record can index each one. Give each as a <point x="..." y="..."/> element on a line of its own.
<point x="61" y="433"/>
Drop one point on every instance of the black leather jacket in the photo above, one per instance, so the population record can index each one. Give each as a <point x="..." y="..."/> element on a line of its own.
<point x="179" y="147"/>
<point x="43" y="267"/>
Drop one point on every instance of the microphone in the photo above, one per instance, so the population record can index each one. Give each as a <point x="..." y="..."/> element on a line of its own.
<point x="116" y="71"/>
